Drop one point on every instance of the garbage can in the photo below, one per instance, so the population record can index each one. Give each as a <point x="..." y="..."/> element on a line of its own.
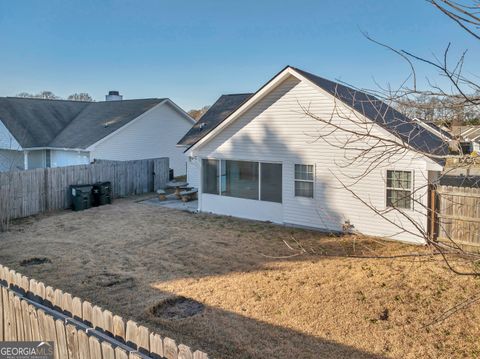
<point x="81" y="197"/>
<point x="102" y="193"/>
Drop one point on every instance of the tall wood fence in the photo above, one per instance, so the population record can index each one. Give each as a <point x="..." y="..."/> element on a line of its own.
<point x="25" y="193"/>
<point x="30" y="311"/>
<point x="458" y="212"/>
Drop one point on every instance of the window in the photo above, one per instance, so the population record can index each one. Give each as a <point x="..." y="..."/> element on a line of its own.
<point x="243" y="179"/>
<point x="399" y="189"/>
<point x="210" y="176"/>
<point x="304" y="181"/>
<point x="240" y="179"/>
<point x="271" y="182"/>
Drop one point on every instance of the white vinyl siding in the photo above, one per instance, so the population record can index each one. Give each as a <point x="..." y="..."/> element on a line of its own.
<point x="7" y="141"/>
<point x="61" y="158"/>
<point x="276" y="130"/>
<point x="153" y="135"/>
<point x="11" y="160"/>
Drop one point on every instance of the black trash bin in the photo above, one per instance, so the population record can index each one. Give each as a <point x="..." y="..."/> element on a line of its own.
<point x="171" y="175"/>
<point x="81" y="197"/>
<point x="102" y="193"/>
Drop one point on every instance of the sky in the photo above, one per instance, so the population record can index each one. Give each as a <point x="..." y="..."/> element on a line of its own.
<point x="193" y="51"/>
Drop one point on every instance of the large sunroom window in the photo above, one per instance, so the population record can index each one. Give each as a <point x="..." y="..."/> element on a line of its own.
<point x="243" y="179"/>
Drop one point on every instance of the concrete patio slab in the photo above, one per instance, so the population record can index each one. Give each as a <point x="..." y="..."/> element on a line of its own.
<point x="172" y="202"/>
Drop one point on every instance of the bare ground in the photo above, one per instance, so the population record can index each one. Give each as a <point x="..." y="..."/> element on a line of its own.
<point x="221" y="285"/>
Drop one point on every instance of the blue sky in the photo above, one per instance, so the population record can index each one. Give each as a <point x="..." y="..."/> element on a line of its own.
<point x="193" y="51"/>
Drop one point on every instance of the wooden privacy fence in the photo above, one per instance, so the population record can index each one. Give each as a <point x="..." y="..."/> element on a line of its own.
<point x="458" y="215"/>
<point x="29" y="311"/>
<point x="25" y="193"/>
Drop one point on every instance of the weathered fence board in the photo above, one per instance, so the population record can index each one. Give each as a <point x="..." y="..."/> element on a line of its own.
<point x="25" y="193"/>
<point x="24" y="316"/>
<point x="459" y="215"/>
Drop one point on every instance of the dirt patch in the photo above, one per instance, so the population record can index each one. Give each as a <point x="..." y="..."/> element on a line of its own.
<point x="107" y="280"/>
<point x="177" y="308"/>
<point x="34" y="261"/>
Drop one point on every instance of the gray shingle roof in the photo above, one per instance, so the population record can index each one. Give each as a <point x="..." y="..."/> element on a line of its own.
<point x="215" y="115"/>
<point x="67" y="124"/>
<point x="387" y="117"/>
<point x="100" y="119"/>
<point x="35" y="122"/>
<point x="371" y="107"/>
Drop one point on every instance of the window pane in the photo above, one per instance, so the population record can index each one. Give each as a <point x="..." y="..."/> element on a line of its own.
<point x="303" y="189"/>
<point x="304" y="172"/>
<point x="240" y="179"/>
<point x="399" y="199"/>
<point x="271" y="189"/>
<point x="399" y="179"/>
<point x="210" y="176"/>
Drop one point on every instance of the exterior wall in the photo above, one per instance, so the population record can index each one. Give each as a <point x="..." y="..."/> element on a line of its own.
<point x="193" y="172"/>
<point x="154" y="135"/>
<point x="277" y="130"/>
<point x="36" y="159"/>
<point x="11" y="160"/>
<point x="7" y="141"/>
<point x="60" y="158"/>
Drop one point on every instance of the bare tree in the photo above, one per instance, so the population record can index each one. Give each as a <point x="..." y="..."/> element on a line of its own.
<point x="196" y="114"/>
<point x="82" y="96"/>
<point x="46" y="95"/>
<point x="367" y="148"/>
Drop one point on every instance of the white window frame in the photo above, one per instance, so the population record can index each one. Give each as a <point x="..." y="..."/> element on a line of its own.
<point x="259" y="162"/>
<point x="411" y="189"/>
<point x="302" y="180"/>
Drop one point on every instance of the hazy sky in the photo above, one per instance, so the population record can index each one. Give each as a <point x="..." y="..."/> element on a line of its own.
<point x="194" y="51"/>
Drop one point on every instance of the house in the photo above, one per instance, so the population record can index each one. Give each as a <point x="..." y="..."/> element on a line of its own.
<point x="37" y="133"/>
<point x="254" y="156"/>
<point x="469" y="137"/>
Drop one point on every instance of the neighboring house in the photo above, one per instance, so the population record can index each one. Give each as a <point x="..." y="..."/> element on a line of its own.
<point x="36" y="133"/>
<point x="253" y="156"/>
<point x="469" y="137"/>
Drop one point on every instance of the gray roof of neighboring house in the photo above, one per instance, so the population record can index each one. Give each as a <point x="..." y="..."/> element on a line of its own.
<point x="100" y="119"/>
<point x="469" y="133"/>
<point x="369" y="106"/>
<point x="215" y="115"/>
<point x="67" y="124"/>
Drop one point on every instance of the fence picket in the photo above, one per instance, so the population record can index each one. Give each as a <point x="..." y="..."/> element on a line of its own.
<point x="26" y="193"/>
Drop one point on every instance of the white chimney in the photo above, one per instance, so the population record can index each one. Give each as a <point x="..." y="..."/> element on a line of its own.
<point x="113" y="96"/>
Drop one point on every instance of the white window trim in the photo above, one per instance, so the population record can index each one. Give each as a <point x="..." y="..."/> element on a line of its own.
<point x="412" y="186"/>
<point x="302" y="180"/>
<point x="259" y="162"/>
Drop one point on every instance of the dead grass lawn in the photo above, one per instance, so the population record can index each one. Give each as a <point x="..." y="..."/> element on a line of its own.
<point x="131" y="258"/>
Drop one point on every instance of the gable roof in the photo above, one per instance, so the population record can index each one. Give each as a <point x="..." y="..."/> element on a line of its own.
<point x="99" y="120"/>
<point x="35" y="122"/>
<point x="215" y="115"/>
<point x="387" y="117"/>
<point x="67" y="124"/>
<point x="416" y="136"/>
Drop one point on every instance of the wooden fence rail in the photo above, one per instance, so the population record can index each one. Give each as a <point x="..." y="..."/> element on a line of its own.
<point x="31" y="311"/>
<point x="458" y="215"/>
<point x="25" y="193"/>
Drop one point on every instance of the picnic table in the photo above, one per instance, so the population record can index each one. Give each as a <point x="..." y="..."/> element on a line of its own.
<point x="178" y="185"/>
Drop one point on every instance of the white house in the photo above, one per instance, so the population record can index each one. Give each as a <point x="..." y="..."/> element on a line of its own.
<point x="253" y="156"/>
<point x="37" y="133"/>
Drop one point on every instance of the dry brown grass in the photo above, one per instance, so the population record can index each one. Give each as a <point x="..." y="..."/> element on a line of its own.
<point x="130" y="258"/>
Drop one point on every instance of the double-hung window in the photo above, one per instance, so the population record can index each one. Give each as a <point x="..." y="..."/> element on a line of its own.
<point x="399" y="189"/>
<point x="304" y="181"/>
